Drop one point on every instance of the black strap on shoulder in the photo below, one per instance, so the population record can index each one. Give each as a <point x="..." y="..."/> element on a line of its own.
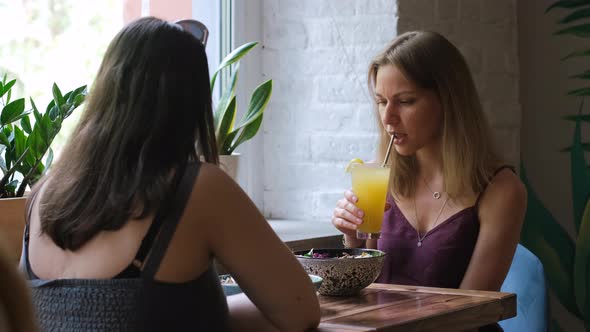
<point x="31" y="202"/>
<point x="165" y="222"/>
<point x="498" y="170"/>
<point x="24" y="263"/>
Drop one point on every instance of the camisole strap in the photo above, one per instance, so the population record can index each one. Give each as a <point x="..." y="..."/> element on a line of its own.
<point x="164" y="225"/>
<point x="25" y="265"/>
<point x="498" y="170"/>
<point x="31" y="202"/>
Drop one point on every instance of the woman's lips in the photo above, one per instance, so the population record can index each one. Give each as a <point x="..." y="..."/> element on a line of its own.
<point x="399" y="138"/>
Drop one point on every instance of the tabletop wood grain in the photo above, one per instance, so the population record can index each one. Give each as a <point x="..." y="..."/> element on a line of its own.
<point x="384" y="307"/>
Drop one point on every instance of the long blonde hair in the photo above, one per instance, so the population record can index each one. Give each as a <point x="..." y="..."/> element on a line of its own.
<point x="468" y="153"/>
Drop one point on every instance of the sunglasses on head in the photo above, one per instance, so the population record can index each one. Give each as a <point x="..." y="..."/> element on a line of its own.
<point x="195" y="28"/>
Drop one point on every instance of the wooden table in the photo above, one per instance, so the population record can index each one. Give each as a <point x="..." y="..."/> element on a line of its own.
<point x="384" y="307"/>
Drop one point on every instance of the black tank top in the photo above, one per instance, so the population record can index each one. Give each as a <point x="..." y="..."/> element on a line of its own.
<point x="133" y="300"/>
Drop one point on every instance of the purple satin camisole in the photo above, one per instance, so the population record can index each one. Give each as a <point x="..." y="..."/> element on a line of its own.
<point x="443" y="257"/>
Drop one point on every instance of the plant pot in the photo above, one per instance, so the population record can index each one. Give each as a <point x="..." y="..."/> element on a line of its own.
<point x="12" y="225"/>
<point x="229" y="164"/>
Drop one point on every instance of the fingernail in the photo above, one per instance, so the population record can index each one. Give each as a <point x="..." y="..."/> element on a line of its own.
<point x="355" y="199"/>
<point x="359" y="220"/>
<point x="360" y="214"/>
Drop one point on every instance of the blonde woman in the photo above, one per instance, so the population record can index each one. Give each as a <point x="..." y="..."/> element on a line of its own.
<point x="455" y="210"/>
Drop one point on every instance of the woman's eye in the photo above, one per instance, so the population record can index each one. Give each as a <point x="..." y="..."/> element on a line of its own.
<point x="380" y="102"/>
<point x="406" y="101"/>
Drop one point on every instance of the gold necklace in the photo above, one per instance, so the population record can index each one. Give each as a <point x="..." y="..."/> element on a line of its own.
<point x="435" y="194"/>
<point x="420" y="239"/>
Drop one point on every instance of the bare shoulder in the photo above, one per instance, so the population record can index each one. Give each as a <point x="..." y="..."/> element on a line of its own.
<point x="505" y="195"/>
<point x="213" y="178"/>
<point x="214" y="189"/>
<point x="507" y="185"/>
<point x="212" y="171"/>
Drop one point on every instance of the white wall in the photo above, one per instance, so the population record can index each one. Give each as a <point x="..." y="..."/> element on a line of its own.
<point x="320" y="115"/>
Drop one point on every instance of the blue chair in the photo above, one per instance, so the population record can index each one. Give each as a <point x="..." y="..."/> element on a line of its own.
<point x="526" y="278"/>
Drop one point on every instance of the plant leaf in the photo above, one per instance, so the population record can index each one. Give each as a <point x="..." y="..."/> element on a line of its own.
<point x="29" y="160"/>
<point x="12" y="111"/>
<point x="576" y="54"/>
<point x="231" y="58"/>
<point x="582" y="265"/>
<point x="4" y="140"/>
<point x="582" y="30"/>
<point x="74" y="99"/>
<point x="248" y="132"/>
<point x="585" y="75"/>
<point x="567" y="4"/>
<point x="580" y="117"/>
<point x="25" y="123"/>
<point x="547" y="239"/>
<point x="7" y="87"/>
<point x="576" y="15"/>
<point x="580" y="174"/>
<point x="258" y="101"/>
<point x="226" y="124"/>
<point x="53" y="112"/>
<point x="36" y="143"/>
<point x="2" y="164"/>
<point x="585" y="147"/>
<point x="41" y="136"/>
<point x="49" y="159"/>
<point x="58" y="98"/>
<point x="579" y="92"/>
<point x="226" y="149"/>
<point x="79" y="91"/>
<point x="11" y="186"/>
<point x="20" y="141"/>
<point x="225" y="99"/>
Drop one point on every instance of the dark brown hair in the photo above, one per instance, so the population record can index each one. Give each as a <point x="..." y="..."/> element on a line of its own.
<point x="150" y="103"/>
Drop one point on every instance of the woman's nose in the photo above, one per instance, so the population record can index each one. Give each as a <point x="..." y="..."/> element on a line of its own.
<point x="390" y="116"/>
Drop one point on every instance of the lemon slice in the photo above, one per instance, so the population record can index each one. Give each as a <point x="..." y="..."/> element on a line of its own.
<point x="352" y="162"/>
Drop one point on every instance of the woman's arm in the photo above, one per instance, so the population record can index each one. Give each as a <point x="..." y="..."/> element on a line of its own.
<point x="245" y="316"/>
<point x="245" y="244"/>
<point x="501" y="215"/>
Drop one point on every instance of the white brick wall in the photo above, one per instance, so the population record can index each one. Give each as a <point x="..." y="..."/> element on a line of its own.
<point x="320" y="115"/>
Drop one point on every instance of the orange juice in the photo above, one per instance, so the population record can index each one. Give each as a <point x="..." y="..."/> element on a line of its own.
<point x="370" y="183"/>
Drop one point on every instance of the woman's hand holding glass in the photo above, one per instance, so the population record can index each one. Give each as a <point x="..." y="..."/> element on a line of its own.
<point x="347" y="216"/>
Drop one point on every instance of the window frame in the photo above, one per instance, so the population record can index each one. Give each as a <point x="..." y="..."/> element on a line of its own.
<point x="247" y="26"/>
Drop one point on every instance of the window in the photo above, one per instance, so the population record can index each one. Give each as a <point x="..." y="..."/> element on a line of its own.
<point x="61" y="41"/>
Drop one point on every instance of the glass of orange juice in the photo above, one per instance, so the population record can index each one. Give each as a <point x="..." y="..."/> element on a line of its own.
<point x="369" y="183"/>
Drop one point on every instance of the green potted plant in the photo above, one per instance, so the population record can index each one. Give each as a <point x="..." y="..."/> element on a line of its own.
<point x="566" y="258"/>
<point x="25" y="151"/>
<point x="229" y="134"/>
